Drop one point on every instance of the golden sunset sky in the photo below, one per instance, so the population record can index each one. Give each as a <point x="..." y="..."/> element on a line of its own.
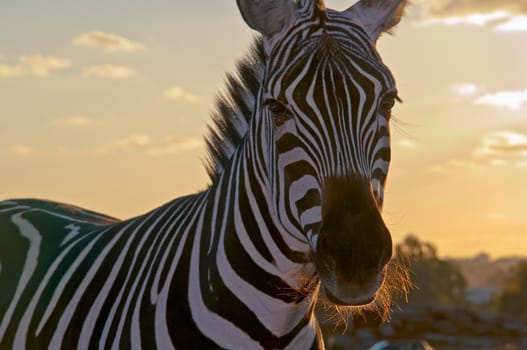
<point x="104" y="104"/>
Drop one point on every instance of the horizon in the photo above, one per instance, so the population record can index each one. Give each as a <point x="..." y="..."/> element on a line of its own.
<point x="105" y="106"/>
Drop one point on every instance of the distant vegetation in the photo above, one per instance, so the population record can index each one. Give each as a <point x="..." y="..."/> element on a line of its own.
<point x="436" y="281"/>
<point x="501" y="284"/>
<point x="513" y="300"/>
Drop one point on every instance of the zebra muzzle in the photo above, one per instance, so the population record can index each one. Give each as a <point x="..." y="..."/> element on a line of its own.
<point x="354" y="245"/>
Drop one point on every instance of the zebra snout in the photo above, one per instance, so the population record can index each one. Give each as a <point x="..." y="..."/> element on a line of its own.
<point x="352" y="265"/>
<point x="352" y="248"/>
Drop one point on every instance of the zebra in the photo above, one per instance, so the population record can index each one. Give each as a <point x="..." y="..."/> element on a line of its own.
<point x="298" y="154"/>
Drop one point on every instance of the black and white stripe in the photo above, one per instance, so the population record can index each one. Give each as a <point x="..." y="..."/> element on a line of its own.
<point x="236" y="266"/>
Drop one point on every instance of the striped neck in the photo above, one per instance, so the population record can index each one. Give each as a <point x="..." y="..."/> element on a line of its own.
<point x="244" y="246"/>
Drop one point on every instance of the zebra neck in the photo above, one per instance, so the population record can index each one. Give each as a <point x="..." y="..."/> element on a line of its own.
<point x="246" y="255"/>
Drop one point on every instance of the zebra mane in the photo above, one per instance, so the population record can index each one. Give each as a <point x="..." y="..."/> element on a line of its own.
<point x="234" y="107"/>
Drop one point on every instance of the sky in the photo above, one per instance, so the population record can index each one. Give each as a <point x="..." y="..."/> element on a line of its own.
<point x="104" y="104"/>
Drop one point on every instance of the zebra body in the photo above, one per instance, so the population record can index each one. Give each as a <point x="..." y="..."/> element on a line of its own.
<point x="123" y="276"/>
<point x="106" y="283"/>
<point x="299" y="158"/>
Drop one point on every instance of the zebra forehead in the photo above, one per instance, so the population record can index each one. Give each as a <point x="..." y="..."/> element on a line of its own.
<point x="336" y="40"/>
<point x="333" y="23"/>
<point x="325" y="50"/>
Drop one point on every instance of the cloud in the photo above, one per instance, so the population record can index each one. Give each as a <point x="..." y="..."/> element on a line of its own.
<point x="512" y="100"/>
<point x="34" y="66"/>
<point x="497" y="149"/>
<point x="476" y="19"/>
<point x="452" y="164"/>
<point x="109" y="71"/>
<point x="501" y="15"/>
<point x="447" y="8"/>
<point x="407" y="143"/>
<point x="173" y="145"/>
<point x="74" y="120"/>
<point x="132" y="142"/>
<point x="499" y="163"/>
<point x="144" y="144"/>
<point x="22" y="150"/>
<point x="108" y="42"/>
<point x="465" y="89"/>
<point x="514" y="24"/>
<point x="503" y="143"/>
<point x="177" y="93"/>
<point x="503" y="149"/>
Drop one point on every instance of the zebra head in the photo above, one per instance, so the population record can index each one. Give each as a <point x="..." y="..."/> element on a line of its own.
<point x="324" y="109"/>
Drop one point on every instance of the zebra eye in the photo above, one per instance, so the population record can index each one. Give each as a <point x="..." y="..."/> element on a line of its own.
<point x="386" y="105"/>
<point x="279" y="111"/>
<point x="276" y="107"/>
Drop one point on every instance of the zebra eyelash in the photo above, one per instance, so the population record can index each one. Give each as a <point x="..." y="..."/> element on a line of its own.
<point x="387" y="102"/>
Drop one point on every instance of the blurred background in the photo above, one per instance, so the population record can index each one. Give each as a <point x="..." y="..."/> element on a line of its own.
<point x="104" y="104"/>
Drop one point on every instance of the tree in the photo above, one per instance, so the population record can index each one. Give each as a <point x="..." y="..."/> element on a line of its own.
<point x="513" y="299"/>
<point x="414" y="249"/>
<point x="436" y="281"/>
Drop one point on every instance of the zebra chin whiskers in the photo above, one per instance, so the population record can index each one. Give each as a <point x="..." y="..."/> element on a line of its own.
<point x="396" y="284"/>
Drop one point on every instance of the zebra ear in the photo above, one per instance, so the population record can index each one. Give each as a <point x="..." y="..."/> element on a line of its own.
<point x="268" y="17"/>
<point x="377" y="16"/>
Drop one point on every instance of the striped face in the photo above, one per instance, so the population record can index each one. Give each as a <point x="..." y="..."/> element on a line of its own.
<point x="326" y="102"/>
